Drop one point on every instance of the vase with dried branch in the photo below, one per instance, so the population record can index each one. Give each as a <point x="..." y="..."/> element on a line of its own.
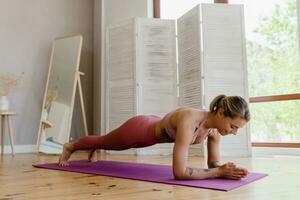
<point x="7" y="82"/>
<point x="50" y="97"/>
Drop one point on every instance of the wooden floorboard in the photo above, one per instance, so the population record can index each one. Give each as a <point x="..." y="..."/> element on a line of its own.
<point x="19" y="180"/>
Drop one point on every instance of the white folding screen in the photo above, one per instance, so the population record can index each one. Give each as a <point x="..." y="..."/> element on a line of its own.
<point x="120" y="72"/>
<point x="141" y="71"/>
<point x="217" y="60"/>
<point x="189" y="60"/>
<point x="156" y="66"/>
<point x="225" y="67"/>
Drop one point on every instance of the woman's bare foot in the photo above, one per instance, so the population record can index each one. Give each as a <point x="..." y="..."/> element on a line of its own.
<point x="92" y="156"/>
<point x="65" y="155"/>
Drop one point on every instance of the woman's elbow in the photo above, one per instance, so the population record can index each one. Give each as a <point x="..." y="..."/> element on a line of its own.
<point x="179" y="175"/>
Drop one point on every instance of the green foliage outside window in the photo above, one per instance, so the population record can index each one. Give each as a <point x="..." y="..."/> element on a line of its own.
<point x="274" y="68"/>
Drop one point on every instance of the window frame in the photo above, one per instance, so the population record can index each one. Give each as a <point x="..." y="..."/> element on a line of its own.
<point x="156" y="8"/>
<point x="273" y="98"/>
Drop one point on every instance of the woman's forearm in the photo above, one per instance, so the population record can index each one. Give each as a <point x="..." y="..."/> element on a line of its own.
<point x="196" y="173"/>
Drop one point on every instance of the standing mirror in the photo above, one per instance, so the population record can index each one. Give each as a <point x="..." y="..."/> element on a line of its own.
<point x="57" y="110"/>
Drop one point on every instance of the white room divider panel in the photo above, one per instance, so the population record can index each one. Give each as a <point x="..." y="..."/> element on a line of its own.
<point x="190" y="71"/>
<point x="121" y="87"/>
<point x="216" y="60"/>
<point x="225" y="67"/>
<point x="141" y="68"/>
<point x="121" y="79"/>
<point x="141" y="71"/>
<point x="189" y="60"/>
<point x="108" y="13"/>
<point x="156" y="66"/>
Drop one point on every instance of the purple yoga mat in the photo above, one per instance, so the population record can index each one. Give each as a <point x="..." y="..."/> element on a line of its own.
<point x="148" y="172"/>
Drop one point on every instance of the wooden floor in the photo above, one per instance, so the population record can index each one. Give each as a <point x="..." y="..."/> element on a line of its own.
<point x="19" y="180"/>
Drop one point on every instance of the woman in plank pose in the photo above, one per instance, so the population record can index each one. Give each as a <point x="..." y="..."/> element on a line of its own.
<point x="183" y="126"/>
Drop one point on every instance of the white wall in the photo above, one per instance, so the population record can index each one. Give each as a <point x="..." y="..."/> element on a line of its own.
<point x="116" y="10"/>
<point x="27" y="29"/>
<point x="106" y="13"/>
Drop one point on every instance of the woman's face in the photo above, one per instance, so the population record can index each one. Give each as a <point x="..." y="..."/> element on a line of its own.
<point x="227" y="125"/>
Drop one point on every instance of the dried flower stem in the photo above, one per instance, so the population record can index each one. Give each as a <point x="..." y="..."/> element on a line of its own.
<point x="6" y="83"/>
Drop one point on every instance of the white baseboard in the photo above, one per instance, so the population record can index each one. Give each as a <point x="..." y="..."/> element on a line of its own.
<point x="256" y="151"/>
<point x="236" y="153"/>
<point x="20" y="149"/>
<point x="155" y="151"/>
<point x="261" y="151"/>
<point x="32" y="148"/>
<point x="123" y="152"/>
<point x="159" y="149"/>
<point x="195" y="150"/>
<point x="144" y="151"/>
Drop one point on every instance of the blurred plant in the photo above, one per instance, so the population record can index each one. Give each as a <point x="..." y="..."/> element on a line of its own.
<point x="50" y="97"/>
<point x="7" y="82"/>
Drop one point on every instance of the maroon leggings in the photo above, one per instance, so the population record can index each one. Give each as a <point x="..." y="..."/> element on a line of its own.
<point x="138" y="131"/>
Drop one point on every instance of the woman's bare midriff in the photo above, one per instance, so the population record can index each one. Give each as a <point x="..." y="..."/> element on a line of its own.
<point x="160" y="131"/>
<point x="161" y="134"/>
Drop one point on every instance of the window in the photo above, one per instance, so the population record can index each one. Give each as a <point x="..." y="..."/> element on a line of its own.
<point x="273" y="66"/>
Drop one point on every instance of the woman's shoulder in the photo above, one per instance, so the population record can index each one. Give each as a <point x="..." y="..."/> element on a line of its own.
<point x="188" y="113"/>
<point x="190" y="110"/>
